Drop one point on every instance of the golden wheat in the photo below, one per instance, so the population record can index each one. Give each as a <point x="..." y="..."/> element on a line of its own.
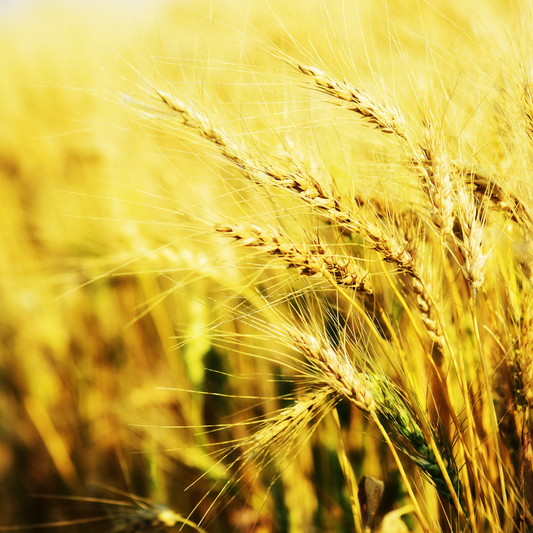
<point x="327" y="275"/>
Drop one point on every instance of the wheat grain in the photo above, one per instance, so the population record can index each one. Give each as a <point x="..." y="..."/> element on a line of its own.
<point x="433" y="164"/>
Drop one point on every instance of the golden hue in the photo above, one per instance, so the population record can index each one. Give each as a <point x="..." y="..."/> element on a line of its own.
<point x="256" y="253"/>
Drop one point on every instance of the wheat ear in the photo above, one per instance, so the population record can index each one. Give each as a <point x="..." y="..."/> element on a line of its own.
<point x="382" y="400"/>
<point x="492" y="192"/>
<point x="524" y="407"/>
<point x="287" y="423"/>
<point x="401" y="421"/>
<point x="383" y="117"/>
<point x="433" y="164"/>
<point x="434" y="167"/>
<point x="470" y="239"/>
<point x="316" y="261"/>
<point x="333" y="368"/>
<point x="528" y="108"/>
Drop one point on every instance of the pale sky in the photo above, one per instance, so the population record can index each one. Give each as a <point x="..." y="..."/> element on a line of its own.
<point x="8" y="6"/>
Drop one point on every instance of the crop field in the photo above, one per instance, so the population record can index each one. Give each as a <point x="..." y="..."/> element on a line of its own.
<point x="266" y="266"/>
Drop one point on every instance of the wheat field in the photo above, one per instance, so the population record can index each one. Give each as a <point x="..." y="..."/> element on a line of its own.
<point x="267" y="266"/>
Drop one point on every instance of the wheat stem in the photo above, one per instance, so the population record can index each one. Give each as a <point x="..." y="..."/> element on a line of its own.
<point x="418" y="512"/>
<point x="349" y="474"/>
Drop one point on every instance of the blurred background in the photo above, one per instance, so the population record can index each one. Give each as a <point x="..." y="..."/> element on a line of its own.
<point x="76" y="368"/>
<point x="88" y="299"/>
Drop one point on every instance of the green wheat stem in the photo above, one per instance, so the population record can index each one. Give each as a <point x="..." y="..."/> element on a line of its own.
<point x="417" y="510"/>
